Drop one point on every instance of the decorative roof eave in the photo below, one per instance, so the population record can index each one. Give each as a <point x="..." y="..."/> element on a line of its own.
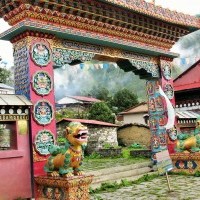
<point x="138" y="6"/>
<point x="92" y="38"/>
<point x="158" y="12"/>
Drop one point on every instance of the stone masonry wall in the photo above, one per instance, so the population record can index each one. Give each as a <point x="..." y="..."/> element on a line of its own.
<point x="98" y="136"/>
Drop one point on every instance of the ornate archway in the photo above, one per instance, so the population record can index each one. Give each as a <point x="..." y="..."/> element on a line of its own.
<point x="47" y="34"/>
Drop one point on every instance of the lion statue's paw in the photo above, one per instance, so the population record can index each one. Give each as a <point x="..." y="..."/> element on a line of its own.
<point x="78" y="173"/>
<point x="53" y="174"/>
<point x="68" y="175"/>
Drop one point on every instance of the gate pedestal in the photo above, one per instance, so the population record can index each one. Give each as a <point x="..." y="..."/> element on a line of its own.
<point x="59" y="188"/>
<point x="186" y="162"/>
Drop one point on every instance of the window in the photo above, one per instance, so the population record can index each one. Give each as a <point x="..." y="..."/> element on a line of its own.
<point x="8" y="138"/>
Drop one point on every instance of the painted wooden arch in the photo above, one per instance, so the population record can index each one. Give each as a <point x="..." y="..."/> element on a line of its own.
<point x="71" y="52"/>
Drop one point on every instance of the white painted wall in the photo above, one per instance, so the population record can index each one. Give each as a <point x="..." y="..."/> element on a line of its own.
<point x="134" y="118"/>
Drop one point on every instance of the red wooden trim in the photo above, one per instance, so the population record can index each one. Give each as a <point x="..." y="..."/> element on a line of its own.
<point x="11" y="154"/>
<point x="186" y="86"/>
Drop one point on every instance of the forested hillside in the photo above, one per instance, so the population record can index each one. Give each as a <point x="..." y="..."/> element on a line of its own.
<point x="82" y="79"/>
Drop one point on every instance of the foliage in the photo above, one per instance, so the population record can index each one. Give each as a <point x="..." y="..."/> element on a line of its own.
<point x="124" y="99"/>
<point x="93" y="156"/>
<point x="197" y="174"/>
<point x="82" y="81"/>
<point x="176" y="71"/>
<point x="111" y="187"/>
<point x="70" y="113"/>
<point x="100" y="93"/>
<point x="4" y="75"/>
<point x="136" y="146"/>
<point x="100" y="111"/>
<point x="61" y="140"/>
<point x="109" y="146"/>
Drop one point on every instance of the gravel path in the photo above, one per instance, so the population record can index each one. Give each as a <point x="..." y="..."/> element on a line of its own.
<point x="183" y="188"/>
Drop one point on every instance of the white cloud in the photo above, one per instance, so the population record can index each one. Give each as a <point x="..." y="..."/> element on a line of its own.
<point x="6" y="50"/>
<point x="191" y="7"/>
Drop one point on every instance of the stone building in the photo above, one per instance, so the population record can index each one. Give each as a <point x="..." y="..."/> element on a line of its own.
<point x="100" y="133"/>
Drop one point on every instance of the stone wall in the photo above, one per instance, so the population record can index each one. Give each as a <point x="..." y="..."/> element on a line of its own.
<point x="134" y="133"/>
<point x="98" y="136"/>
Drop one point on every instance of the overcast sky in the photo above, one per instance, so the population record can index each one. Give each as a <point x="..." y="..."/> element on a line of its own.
<point x="191" y="7"/>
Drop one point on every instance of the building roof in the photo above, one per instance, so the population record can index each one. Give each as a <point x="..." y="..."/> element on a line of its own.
<point x="77" y="99"/>
<point x="140" y="108"/>
<point x="188" y="114"/>
<point x="189" y="79"/>
<point x="87" y="121"/>
<point x="85" y="99"/>
<point x="14" y="100"/>
<point x="4" y="86"/>
<point x="68" y="100"/>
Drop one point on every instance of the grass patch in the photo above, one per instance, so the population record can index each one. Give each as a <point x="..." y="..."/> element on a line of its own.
<point x="95" y="161"/>
<point x="111" y="187"/>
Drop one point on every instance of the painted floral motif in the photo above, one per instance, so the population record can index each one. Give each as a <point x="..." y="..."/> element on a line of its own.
<point x="40" y="54"/>
<point x="63" y="56"/>
<point x="172" y="133"/>
<point x="43" y="112"/>
<point x="149" y="67"/>
<point x="43" y="140"/>
<point x="168" y="89"/>
<point x="166" y="71"/>
<point x="42" y="83"/>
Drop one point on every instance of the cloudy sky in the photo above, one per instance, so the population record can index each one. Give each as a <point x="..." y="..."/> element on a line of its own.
<point x="191" y="7"/>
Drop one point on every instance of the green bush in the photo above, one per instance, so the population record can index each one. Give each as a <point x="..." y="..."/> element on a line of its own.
<point x="61" y="140"/>
<point x="100" y="111"/>
<point x="136" y="146"/>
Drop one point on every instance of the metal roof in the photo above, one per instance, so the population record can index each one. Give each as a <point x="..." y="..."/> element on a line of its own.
<point x="88" y="121"/>
<point x="14" y="100"/>
<point x="188" y="114"/>
<point x="140" y="108"/>
<point x="4" y="86"/>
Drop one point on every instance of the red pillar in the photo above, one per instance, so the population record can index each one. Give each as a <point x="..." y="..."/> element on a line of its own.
<point x="34" y="79"/>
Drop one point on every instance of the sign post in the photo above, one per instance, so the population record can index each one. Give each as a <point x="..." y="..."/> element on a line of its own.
<point x="164" y="164"/>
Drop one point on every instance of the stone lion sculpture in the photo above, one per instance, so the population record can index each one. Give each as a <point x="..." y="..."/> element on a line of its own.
<point x="66" y="161"/>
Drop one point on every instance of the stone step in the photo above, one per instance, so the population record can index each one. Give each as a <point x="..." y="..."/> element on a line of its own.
<point x="130" y="178"/>
<point x="110" y="170"/>
<point x="120" y="172"/>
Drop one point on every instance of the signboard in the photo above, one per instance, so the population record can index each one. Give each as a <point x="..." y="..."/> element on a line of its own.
<point x="164" y="162"/>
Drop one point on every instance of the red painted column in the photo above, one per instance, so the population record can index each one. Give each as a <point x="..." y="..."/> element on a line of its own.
<point x="34" y="79"/>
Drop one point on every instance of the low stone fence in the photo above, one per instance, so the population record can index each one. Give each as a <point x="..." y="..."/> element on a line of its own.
<point x="141" y="153"/>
